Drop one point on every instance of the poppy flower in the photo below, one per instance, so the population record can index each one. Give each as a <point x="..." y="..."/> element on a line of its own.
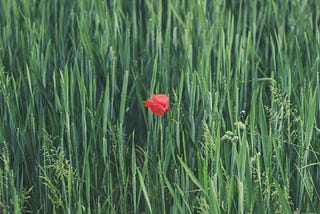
<point x="158" y="104"/>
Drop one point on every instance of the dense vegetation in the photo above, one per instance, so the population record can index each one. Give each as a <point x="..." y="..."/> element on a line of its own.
<point x="242" y="133"/>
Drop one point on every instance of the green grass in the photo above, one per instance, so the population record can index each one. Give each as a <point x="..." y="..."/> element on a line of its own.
<point x="242" y="134"/>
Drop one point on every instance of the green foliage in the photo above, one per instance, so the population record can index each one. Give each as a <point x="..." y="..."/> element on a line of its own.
<point x="241" y="136"/>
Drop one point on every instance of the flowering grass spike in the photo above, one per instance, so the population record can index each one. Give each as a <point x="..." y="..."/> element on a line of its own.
<point x="158" y="104"/>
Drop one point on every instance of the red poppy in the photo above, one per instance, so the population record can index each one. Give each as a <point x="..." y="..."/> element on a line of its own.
<point x="158" y="104"/>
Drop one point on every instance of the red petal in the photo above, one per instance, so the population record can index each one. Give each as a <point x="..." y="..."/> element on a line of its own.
<point x="157" y="109"/>
<point x="148" y="103"/>
<point x="159" y="104"/>
<point x="160" y="98"/>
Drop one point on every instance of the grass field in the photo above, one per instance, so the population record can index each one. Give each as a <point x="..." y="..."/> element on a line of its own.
<point x="242" y="134"/>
